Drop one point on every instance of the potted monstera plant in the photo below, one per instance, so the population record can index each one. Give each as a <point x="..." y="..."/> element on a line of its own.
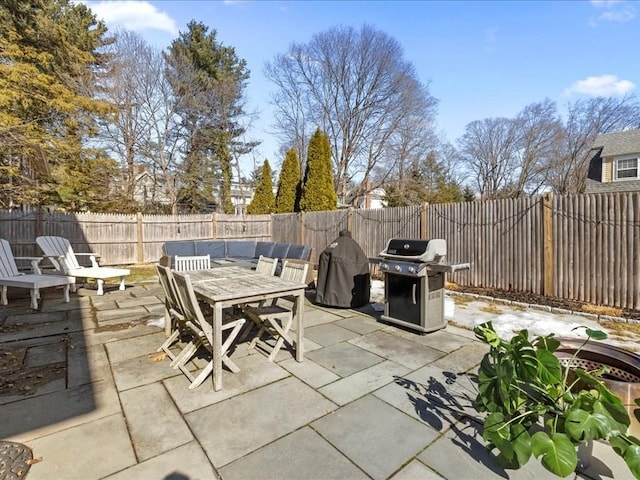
<point x="536" y="407"/>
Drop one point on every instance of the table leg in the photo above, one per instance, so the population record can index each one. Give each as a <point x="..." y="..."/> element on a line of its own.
<point x="217" y="346"/>
<point x="300" y="327"/>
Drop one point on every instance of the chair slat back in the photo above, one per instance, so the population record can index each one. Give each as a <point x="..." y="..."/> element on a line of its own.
<point x="8" y="267"/>
<point x="197" y="262"/>
<point x="294" y="272"/>
<point x="59" y="247"/>
<point x="190" y="305"/>
<point x="266" y="265"/>
<point x="172" y="301"/>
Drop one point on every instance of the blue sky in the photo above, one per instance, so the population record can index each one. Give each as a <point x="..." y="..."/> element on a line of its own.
<point x="480" y="59"/>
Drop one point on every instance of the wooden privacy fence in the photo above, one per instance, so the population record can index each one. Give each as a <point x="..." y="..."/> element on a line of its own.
<point x="578" y="247"/>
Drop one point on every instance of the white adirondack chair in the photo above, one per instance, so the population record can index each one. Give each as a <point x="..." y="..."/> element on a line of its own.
<point x="11" y="277"/>
<point x="59" y="252"/>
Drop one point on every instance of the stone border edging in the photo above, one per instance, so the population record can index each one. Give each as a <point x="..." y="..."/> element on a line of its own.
<point x="545" y="308"/>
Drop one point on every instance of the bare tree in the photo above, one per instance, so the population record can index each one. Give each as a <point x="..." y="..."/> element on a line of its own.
<point x="355" y="86"/>
<point x="489" y="150"/>
<point x="585" y="120"/>
<point x="539" y="130"/>
<point x="122" y="88"/>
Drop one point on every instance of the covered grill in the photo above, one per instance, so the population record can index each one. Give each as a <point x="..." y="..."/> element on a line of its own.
<point x="414" y="282"/>
<point x="343" y="274"/>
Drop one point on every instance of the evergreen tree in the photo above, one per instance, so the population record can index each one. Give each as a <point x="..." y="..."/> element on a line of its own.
<point x="288" y="196"/>
<point x="47" y="110"/>
<point x="318" y="193"/>
<point x="208" y="81"/>
<point x="263" y="200"/>
<point x="427" y="181"/>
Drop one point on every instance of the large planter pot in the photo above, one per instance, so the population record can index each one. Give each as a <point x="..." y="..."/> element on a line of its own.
<point x="623" y="378"/>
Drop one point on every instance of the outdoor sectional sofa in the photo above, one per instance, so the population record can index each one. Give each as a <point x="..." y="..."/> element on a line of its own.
<point x="242" y="250"/>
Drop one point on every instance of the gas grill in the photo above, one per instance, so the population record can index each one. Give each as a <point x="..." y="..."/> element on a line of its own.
<point x="414" y="282"/>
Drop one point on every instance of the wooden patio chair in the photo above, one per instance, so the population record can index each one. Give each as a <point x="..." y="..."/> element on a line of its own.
<point x="197" y="262"/>
<point x="175" y="325"/>
<point x="59" y="252"/>
<point x="203" y="332"/>
<point x="266" y="265"/>
<point x="275" y="320"/>
<point x="10" y="276"/>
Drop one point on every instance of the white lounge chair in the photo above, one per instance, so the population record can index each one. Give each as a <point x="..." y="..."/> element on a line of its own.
<point x="11" y="277"/>
<point x="59" y="252"/>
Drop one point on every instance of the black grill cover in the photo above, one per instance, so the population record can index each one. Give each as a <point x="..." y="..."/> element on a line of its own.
<point x="343" y="274"/>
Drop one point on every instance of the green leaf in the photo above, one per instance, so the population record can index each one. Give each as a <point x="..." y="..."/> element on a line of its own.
<point x="486" y="333"/>
<point x="582" y="425"/>
<point x="550" y="371"/>
<point x="521" y="444"/>
<point x="498" y="433"/>
<point x="616" y="414"/>
<point x="547" y="342"/>
<point x="632" y="459"/>
<point x="557" y="454"/>
<point x="595" y="334"/>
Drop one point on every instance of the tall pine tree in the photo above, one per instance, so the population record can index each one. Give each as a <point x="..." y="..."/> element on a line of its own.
<point x="318" y="193"/>
<point x="49" y="51"/>
<point x="263" y="200"/>
<point x="208" y="81"/>
<point x="289" y="184"/>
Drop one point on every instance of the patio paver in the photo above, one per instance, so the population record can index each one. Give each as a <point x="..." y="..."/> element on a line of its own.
<point x="301" y="455"/>
<point x="374" y="435"/>
<point x="251" y="420"/>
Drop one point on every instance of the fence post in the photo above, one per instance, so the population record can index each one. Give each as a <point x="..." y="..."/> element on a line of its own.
<point x="424" y="220"/>
<point x="214" y="226"/>
<point x="301" y="220"/>
<point x="350" y="219"/>
<point x="140" y="239"/>
<point x="38" y="225"/>
<point x="548" y="268"/>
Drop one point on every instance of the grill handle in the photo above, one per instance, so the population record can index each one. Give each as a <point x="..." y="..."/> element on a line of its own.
<point x="413" y="293"/>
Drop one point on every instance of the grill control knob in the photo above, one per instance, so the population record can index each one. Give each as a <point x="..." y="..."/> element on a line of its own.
<point x="398" y="268"/>
<point x="384" y="266"/>
<point x="411" y="269"/>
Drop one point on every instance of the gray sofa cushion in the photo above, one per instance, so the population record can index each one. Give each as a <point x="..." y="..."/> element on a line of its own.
<point x="184" y="249"/>
<point x="300" y="252"/>
<point x="280" y="250"/>
<point x="213" y="248"/>
<point x="265" y="249"/>
<point x="241" y="249"/>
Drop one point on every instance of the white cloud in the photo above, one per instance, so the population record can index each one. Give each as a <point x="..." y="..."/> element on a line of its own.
<point x="602" y="86"/>
<point x="612" y="11"/>
<point x="135" y="15"/>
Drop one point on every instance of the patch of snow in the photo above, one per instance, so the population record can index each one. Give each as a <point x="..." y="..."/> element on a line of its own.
<point x="156" y="322"/>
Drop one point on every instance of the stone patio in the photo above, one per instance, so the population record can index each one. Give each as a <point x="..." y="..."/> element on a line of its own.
<point x="81" y="385"/>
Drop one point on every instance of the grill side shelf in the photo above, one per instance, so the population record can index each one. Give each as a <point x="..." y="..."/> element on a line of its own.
<point x="448" y="267"/>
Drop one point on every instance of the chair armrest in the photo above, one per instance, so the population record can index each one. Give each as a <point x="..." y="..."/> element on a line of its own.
<point x="35" y="268"/>
<point x="92" y="258"/>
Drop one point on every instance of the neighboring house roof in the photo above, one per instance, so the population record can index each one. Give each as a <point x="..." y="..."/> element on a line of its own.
<point x="619" y="143"/>
<point x="608" y="146"/>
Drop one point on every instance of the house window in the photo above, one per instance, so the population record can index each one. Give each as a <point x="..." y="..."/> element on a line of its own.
<point x="627" y="168"/>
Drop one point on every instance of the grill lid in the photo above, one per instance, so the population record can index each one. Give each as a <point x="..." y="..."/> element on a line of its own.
<point x="416" y="250"/>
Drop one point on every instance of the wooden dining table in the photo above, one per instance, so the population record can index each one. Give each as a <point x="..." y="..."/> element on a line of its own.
<point x="228" y="286"/>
